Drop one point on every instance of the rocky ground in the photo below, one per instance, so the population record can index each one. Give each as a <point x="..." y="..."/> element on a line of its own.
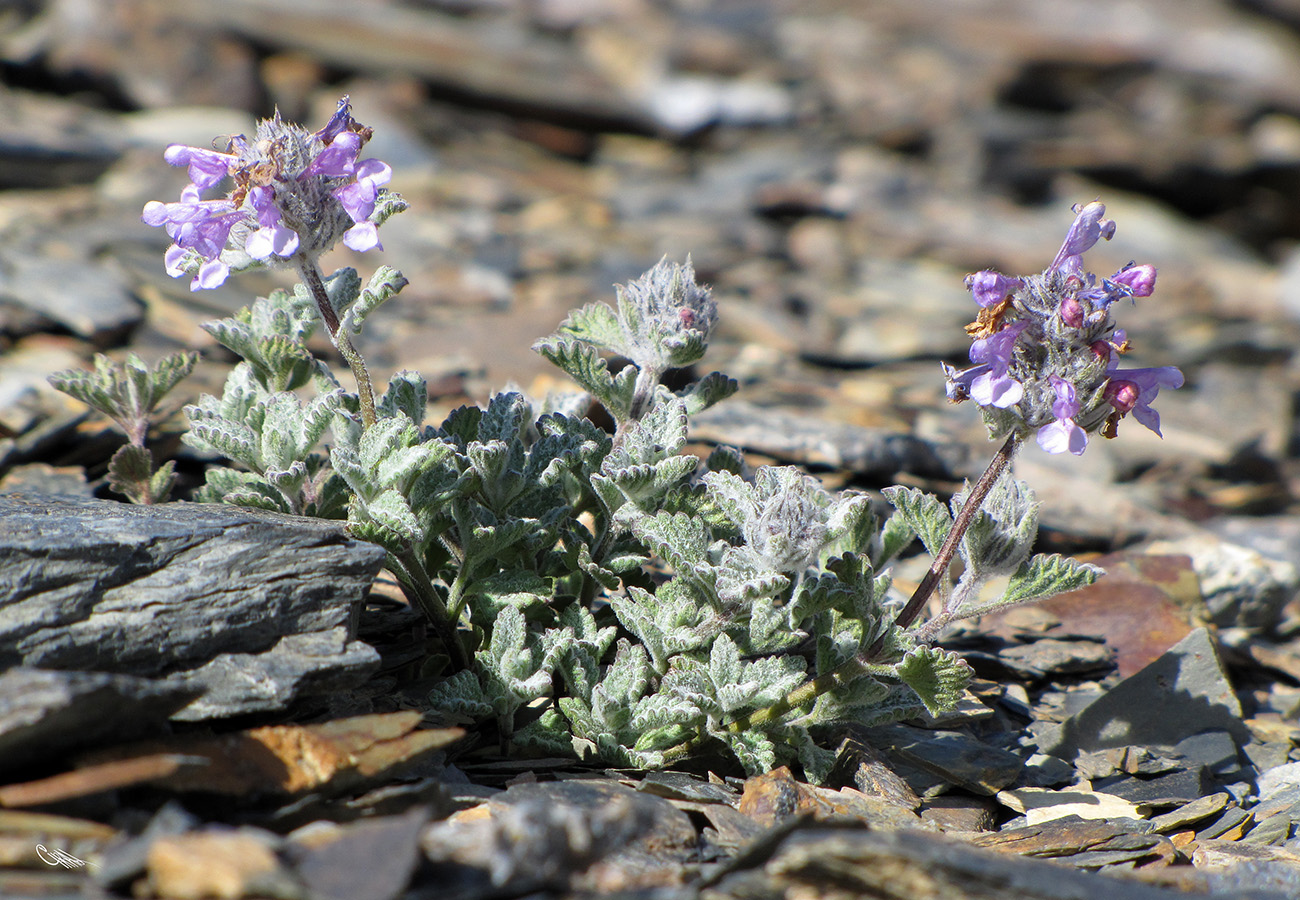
<point x="834" y="169"/>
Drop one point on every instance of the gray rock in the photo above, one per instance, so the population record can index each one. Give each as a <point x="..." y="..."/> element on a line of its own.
<point x="1282" y="782"/>
<point x="240" y="683"/>
<point x="1190" y="813"/>
<point x="872" y="452"/>
<point x="1173" y="789"/>
<point x="88" y="297"/>
<point x="44" y="713"/>
<point x="1188" y="687"/>
<point x="954" y="756"/>
<point x="1054" y="657"/>
<point x="254" y="608"/>
<point x="1242" y="587"/>
<point x="1216" y="750"/>
<point x="337" y="863"/>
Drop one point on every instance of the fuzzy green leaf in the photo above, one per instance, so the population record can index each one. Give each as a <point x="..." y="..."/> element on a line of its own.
<point x="923" y="513"/>
<point x="1042" y="575"/>
<point x="408" y="394"/>
<point x="385" y="284"/>
<point x="712" y="388"/>
<point x="938" y="677"/>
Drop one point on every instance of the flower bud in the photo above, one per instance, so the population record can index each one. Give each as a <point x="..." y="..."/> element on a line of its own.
<point x="1072" y="312"/>
<point x="991" y="288"/>
<point x="1139" y="280"/>
<point x="1123" y="395"/>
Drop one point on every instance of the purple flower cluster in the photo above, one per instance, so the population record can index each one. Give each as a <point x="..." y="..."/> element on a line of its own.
<point x="1046" y="350"/>
<point x="295" y="192"/>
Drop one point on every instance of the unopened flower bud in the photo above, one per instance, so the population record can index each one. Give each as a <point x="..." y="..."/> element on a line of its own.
<point x="991" y="288"/>
<point x="1123" y="395"/>
<point x="1140" y="280"/>
<point x="1072" y="312"/>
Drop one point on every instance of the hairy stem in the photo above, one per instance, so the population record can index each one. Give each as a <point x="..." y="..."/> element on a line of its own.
<point x="970" y="506"/>
<point x="311" y="277"/>
<point x="420" y="589"/>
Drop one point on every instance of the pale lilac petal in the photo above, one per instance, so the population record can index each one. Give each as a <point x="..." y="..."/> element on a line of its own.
<point x="358" y="199"/>
<point x="172" y="260"/>
<point x="155" y="213"/>
<point x="1063" y="435"/>
<point x="206" y="167"/>
<point x="212" y="274"/>
<point x="375" y="171"/>
<point x="1147" y="416"/>
<point x="991" y="288"/>
<point x="362" y="237"/>
<point x="339" y="158"/>
<point x="278" y="239"/>
<point x="1089" y="226"/>
<point x="1066" y="405"/>
<point x="1001" y="391"/>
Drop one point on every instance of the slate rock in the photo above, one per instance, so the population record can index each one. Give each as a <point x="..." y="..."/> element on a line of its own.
<point x="1233" y="867"/>
<point x="872" y="452"/>
<point x="245" y="683"/>
<point x="1215" y="749"/>
<point x="1187" y="685"/>
<point x="954" y="756"/>
<point x="1054" y="657"/>
<point x="1163" y="790"/>
<point x="211" y="596"/>
<point x="1241" y="586"/>
<point x="580" y="833"/>
<point x="374" y="858"/>
<point x="1280" y="783"/>
<point x="44" y="713"/>
<point x="814" y="862"/>
<point x="1190" y="813"/>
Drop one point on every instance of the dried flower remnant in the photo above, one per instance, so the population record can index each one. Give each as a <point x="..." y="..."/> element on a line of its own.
<point x="1046" y="348"/>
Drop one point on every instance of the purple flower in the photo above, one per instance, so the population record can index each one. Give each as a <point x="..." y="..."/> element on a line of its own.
<point x="1089" y="227"/>
<point x="991" y="288"/>
<point x="273" y="236"/>
<point x="201" y="226"/>
<point x="206" y="167"/>
<point x="295" y="193"/>
<point x="358" y="198"/>
<point x="989" y="383"/>
<point x="1135" y="389"/>
<point x="1063" y="434"/>
<point x="995" y="387"/>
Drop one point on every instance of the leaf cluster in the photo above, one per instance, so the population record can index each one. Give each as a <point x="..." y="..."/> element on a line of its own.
<point x="129" y="393"/>
<point x="599" y="593"/>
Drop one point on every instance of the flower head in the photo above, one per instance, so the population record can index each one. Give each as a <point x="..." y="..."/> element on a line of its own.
<point x="1046" y="350"/>
<point x="665" y="317"/>
<point x="294" y="192"/>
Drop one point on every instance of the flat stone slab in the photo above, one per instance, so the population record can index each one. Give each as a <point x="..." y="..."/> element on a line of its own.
<point x="44" y="713"/>
<point x="248" y="609"/>
<point x="1183" y="693"/>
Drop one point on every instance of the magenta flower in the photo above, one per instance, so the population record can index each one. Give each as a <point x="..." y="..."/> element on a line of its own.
<point x="1063" y="434"/>
<point x="1139" y="281"/>
<point x="1133" y="390"/>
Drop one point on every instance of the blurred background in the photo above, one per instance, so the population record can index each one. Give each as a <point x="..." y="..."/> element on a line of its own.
<point x="833" y="167"/>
